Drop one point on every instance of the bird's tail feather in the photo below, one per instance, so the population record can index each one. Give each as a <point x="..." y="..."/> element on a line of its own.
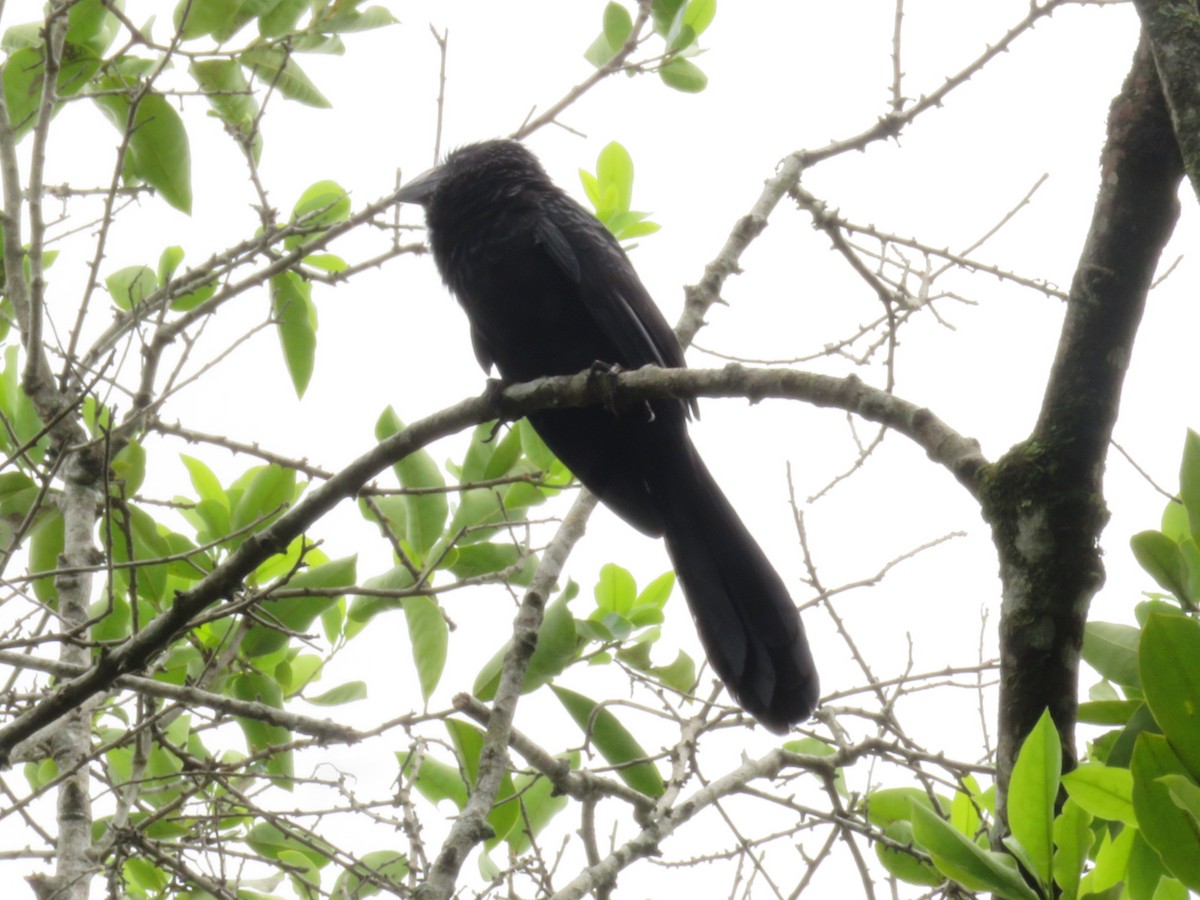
<point x="747" y="622"/>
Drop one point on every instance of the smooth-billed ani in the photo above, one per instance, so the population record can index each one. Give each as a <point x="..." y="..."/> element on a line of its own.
<point x="549" y="291"/>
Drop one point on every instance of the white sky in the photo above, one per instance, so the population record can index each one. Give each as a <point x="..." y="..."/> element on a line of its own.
<point x="782" y="76"/>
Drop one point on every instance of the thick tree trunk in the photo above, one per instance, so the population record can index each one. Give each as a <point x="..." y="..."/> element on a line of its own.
<point x="1044" y="499"/>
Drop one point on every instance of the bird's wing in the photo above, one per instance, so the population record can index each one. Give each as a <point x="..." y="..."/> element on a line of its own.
<point x="609" y="288"/>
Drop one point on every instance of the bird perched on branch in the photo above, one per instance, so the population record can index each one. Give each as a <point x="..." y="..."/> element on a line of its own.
<point x="549" y="291"/>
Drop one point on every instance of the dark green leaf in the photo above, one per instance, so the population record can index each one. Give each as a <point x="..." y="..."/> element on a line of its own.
<point x="1164" y="825"/>
<point x="1163" y="561"/>
<point x="1169" y="659"/>
<point x="1111" y="650"/>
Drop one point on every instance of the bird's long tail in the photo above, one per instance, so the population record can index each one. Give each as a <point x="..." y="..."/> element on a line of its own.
<point x="747" y="622"/>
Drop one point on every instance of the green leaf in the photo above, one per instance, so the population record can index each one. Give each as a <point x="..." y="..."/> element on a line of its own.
<point x="1189" y="480"/>
<point x="683" y="75"/>
<point x="429" y="634"/>
<point x="699" y="15"/>
<point x="1169" y="658"/>
<point x="1186" y="795"/>
<point x="296" y="323"/>
<point x="614" y="742"/>
<point x="364" y="608"/>
<point x="1072" y="843"/>
<point x="260" y="736"/>
<point x="343" y="693"/>
<point x="220" y="18"/>
<point x="615" y="590"/>
<point x="386" y="865"/>
<point x="1107" y="712"/>
<point x="168" y="262"/>
<point x="615" y="167"/>
<point x="356" y="20"/>
<point x="131" y="285"/>
<point x="907" y="867"/>
<point x="888" y="805"/>
<point x="539" y="804"/>
<point x="1145" y="870"/>
<point x="1166" y="827"/>
<point x="92" y="25"/>
<point x="679" y="675"/>
<point x="297" y="614"/>
<point x="229" y="94"/>
<point x="1163" y="561"/>
<point x="1031" y="792"/>
<point x="468" y="741"/>
<point x="158" y="151"/>
<point x="1111" y="650"/>
<point x="278" y="68"/>
<point x="269" y="841"/>
<point x="618" y="25"/>
<point x="437" y="781"/>
<point x="323" y="204"/>
<point x="268" y="490"/>
<point x="957" y="857"/>
<point x="45" y="546"/>
<point x="280" y="19"/>
<point x="425" y="513"/>
<point x="1112" y="861"/>
<point x="1105" y="792"/>
<point x="663" y="14"/>
<point x="556" y="647"/>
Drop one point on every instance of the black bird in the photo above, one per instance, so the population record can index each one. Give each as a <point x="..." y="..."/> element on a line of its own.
<point x="549" y="291"/>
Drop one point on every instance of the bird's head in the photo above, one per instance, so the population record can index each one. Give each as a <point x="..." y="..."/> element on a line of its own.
<point x="493" y="169"/>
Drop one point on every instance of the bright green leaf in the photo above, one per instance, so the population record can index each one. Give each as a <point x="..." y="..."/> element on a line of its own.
<point x="1105" y="792"/>
<point x="1072" y="843"/>
<point x="958" y="857"/>
<point x="128" y="287"/>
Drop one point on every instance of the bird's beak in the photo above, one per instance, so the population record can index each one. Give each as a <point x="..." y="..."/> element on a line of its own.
<point x="421" y="188"/>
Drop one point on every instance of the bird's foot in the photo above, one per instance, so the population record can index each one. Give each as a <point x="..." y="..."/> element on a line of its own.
<point x="493" y="396"/>
<point x="604" y="375"/>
